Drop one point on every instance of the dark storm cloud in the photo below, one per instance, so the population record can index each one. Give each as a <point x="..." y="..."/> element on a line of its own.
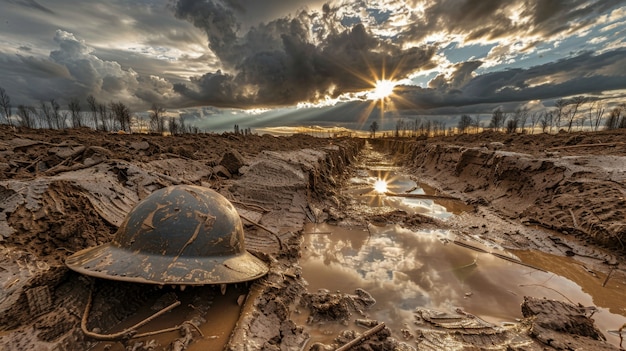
<point x="282" y="62"/>
<point x="583" y="74"/>
<point x="74" y="71"/>
<point x="32" y="4"/>
<point x="491" y="20"/>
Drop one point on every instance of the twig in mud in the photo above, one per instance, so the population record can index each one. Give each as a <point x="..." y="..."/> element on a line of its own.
<point x="244" y="204"/>
<point x="167" y="330"/>
<point x="573" y="218"/>
<point x="606" y="280"/>
<point x="127" y="333"/>
<point x="366" y="334"/>
<point x="504" y="257"/>
<point x="547" y="287"/>
<point x="280" y="242"/>
<point x="510" y="259"/>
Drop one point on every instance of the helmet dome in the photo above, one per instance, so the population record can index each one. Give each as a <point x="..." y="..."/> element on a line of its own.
<point x="183" y="234"/>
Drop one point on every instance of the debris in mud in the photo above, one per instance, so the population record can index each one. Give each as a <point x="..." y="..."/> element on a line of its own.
<point x="562" y="326"/>
<point x="405" y="219"/>
<point x="63" y="191"/>
<point x="326" y="306"/>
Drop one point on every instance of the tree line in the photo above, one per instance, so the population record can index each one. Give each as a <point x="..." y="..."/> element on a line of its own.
<point x="106" y="117"/>
<point x="577" y="113"/>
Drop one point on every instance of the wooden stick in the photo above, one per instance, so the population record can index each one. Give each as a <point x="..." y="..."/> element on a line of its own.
<point x="607" y="277"/>
<point x="124" y="334"/>
<point x="584" y="145"/>
<point x="167" y="330"/>
<point x="423" y="196"/>
<point x="280" y="242"/>
<point x="366" y="334"/>
<point x="245" y="204"/>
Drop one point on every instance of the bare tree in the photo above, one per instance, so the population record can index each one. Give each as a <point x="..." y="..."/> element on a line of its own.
<point x="559" y="112"/>
<point x="596" y="110"/>
<point x="546" y="121"/>
<point x="613" y="121"/>
<point x="534" y="118"/>
<point x="5" y="105"/>
<point x="183" y="127"/>
<point x="157" y="118"/>
<point x="45" y="116"/>
<point x="399" y="127"/>
<point x="174" y="126"/>
<point x="374" y="128"/>
<point x="522" y="114"/>
<point x="93" y="107"/>
<point x="497" y="119"/>
<point x="57" y="117"/>
<point x="512" y="124"/>
<point x="476" y="123"/>
<point x="26" y="116"/>
<point x="76" y="117"/>
<point x="576" y="103"/>
<point x="103" y="113"/>
<point x="464" y="123"/>
<point x="121" y="114"/>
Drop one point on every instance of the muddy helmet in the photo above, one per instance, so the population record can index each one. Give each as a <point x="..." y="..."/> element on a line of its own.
<point x="182" y="235"/>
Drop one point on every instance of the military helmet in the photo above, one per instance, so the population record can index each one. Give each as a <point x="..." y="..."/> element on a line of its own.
<point x="183" y="235"/>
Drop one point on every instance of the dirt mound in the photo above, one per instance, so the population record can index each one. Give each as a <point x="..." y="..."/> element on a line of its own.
<point x="574" y="184"/>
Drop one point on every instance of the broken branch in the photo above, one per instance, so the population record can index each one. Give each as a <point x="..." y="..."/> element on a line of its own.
<point x="366" y="334"/>
<point x="127" y="333"/>
<point x="280" y="242"/>
<point x="607" y="277"/>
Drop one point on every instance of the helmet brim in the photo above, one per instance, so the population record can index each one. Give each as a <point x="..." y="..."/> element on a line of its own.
<point x="109" y="261"/>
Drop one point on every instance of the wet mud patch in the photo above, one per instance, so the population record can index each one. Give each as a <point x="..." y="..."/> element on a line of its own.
<point x="430" y="292"/>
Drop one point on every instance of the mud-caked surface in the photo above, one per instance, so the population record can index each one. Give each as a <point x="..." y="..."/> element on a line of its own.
<point x="63" y="191"/>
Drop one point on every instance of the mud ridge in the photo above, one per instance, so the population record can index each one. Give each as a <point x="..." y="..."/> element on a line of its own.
<point x="582" y="195"/>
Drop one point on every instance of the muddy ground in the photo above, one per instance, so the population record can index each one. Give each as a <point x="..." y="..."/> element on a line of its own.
<point x="62" y="191"/>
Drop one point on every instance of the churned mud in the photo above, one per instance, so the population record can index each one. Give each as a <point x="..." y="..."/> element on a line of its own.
<point x="412" y="268"/>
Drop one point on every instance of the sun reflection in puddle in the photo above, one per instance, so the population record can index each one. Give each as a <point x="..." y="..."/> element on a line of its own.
<point x="369" y="188"/>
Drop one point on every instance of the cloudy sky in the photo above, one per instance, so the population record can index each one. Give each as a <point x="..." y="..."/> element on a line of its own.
<point x="266" y="62"/>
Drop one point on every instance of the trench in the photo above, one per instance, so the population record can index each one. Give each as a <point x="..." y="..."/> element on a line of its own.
<point x="404" y="269"/>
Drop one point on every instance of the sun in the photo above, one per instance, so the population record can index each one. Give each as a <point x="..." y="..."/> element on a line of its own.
<point x="382" y="89"/>
<point x="380" y="186"/>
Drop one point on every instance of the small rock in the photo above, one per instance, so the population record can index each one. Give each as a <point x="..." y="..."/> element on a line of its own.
<point x="140" y="145"/>
<point x="66" y="151"/>
<point x="232" y="160"/>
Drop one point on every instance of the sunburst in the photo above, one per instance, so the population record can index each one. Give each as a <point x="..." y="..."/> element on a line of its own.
<point x="382" y="89"/>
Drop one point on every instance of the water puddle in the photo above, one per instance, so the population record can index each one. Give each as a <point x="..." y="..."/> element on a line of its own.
<point x="220" y="319"/>
<point x="404" y="269"/>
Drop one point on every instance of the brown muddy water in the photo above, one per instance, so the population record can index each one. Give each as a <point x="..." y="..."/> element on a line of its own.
<point x="404" y="269"/>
